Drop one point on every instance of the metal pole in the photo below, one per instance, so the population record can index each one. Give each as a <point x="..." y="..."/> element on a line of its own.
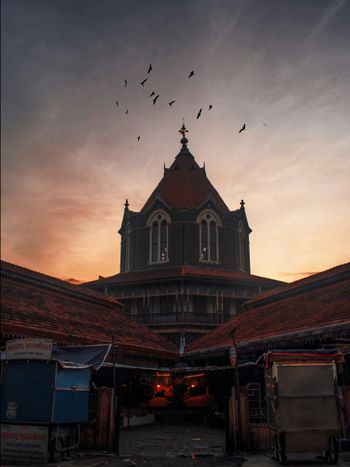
<point x="238" y="402"/>
<point x="116" y="408"/>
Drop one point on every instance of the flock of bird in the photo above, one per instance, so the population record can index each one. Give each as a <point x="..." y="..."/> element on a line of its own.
<point x="156" y="97"/>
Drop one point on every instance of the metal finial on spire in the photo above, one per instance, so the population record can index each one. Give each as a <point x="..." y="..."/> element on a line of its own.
<point x="183" y="131"/>
<point x="126" y="204"/>
<point x="242" y="204"/>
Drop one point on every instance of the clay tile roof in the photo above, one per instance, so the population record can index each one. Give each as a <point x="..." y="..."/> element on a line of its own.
<point x="185" y="185"/>
<point x="313" y="281"/>
<point x="313" y="310"/>
<point x="35" y="305"/>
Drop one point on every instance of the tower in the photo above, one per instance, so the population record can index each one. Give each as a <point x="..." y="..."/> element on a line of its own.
<point x="185" y="260"/>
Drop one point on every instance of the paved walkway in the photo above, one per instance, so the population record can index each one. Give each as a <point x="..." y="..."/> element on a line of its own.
<point x="178" y="446"/>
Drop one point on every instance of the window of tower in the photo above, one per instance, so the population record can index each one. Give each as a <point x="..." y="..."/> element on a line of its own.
<point x="208" y="237"/>
<point x="241" y="246"/>
<point x="159" y="238"/>
<point x="204" y="241"/>
<point x="127" y="244"/>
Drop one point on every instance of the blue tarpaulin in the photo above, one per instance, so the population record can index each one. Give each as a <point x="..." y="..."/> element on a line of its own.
<point x="81" y="356"/>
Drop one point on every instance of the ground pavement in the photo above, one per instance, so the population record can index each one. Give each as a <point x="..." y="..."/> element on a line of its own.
<point x="178" y="446"/>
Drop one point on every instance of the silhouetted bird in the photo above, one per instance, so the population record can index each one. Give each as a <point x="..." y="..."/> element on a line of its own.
<point x="138" y="138"/>
<point x="243" y="128"/>
<point x="143" y="82"/>
<point x="191" y="74"/>
<point x="149" y="69"/>
<point x="171" y="103"/>
<point x="125" y="83"/>
<point x="199" y="113"/>
<point x="117" y="103"/>
<point x="127" y="112"/>
<point x="152" y="94"/>
<point x="210" y="107"/>
<point x="155" y="99"/>
<point x="265" y="124"/>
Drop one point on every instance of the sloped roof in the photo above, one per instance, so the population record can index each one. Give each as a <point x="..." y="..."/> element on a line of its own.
<point x="313" y="281"/>
<point x="36" y="305"/>
<point x="185" y="185"/>
<point x="312" y="311"/>
<point x="184" y="272"/>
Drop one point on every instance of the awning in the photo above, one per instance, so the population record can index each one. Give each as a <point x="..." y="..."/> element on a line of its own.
<point x="81" y="356"/>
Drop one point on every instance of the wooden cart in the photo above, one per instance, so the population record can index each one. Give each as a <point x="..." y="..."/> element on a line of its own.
<point x="302" y="403"/>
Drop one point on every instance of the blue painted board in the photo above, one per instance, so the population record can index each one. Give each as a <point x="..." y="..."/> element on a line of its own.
<point x="68" y="378"/>
<point x="26" y="391"/>
<point x="71" y="401"/>
<point x="71" y="406"/>
<point x="39" y="391"/>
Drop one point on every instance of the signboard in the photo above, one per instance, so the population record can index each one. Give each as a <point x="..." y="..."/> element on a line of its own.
<point x="233" y="356"/>
<point x="22" y="443"/>
<point x="33" y="349"/>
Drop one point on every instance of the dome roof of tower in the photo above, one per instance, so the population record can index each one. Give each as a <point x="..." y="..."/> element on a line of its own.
<point x="185" y="184"/>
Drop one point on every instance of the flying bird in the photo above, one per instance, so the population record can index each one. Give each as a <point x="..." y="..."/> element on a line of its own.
<point x="117" y="103"/>
<point x="191" y="74"/>
<point x="125" y="83"/>
<point x="152" y="94"/>
<point x="127" y="112"/>
<point x="171" y="103"/>
<point x="210" y="107"/>
<point x="199" y="113"/>
<point x="243" y="128"/>
<point x="143" y="82"/>
<point x="138" y="138"/>
<point x="265" y="124"/>
<point x="155" y="99"/>
<point x="149" y="68"/>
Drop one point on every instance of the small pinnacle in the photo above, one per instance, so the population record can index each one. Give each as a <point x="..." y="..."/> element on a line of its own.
<point x="126" y="204"/>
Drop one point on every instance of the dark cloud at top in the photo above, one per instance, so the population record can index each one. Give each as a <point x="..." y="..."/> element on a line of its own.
<point x="64" y="64"/>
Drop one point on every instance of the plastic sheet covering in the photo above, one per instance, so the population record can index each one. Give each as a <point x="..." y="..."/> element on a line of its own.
<point x="81" y="356"/>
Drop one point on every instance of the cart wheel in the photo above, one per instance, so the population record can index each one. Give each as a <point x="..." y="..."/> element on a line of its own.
<point x="274" y="448"/>
<point x="332" y="454"/>
<point x="73" y="453"/>
<point x="55" y="450"/>
<point x="281" y="449"/>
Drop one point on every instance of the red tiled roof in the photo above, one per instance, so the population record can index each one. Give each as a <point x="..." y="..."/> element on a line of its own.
<point x="314" y="280"/>
<point x="36" y="305"/>
<point x="185" y="185"/>
<point x="184" y="271"/>
<point x="12" y="270"/>
<point x="320" y="308"/>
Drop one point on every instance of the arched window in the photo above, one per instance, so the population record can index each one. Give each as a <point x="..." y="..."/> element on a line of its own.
<point x="127" y="251"/>
<point x="158" y="224"/>
<point x="208" y="237"/>
<point x="241" y="241"/>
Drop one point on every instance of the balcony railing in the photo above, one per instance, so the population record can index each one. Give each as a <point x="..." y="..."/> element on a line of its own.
<point x="176" y="318"/>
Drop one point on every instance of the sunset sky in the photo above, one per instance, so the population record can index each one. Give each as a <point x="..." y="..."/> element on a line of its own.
<point x="70" y="156"/>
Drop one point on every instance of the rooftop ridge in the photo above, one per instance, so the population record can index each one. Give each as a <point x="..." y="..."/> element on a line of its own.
<point x="45" y="281"/>
<point x="312" y="282"/>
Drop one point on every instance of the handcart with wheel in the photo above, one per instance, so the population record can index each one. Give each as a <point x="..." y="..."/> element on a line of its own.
<point x="303" y="406"/>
